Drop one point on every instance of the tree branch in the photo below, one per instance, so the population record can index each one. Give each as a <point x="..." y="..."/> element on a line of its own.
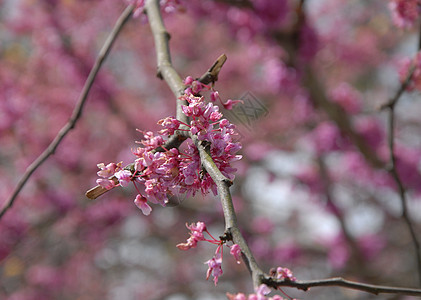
<point x="77" y="112"/>
<point x="166" y="70"/>
<point x="340" y="282"/>
<point x="395" y="174"/>
<point x="231" y="227"/>
<point x="402" y="191"/>
<point x="211" y="75"/>
<point x="392" y="168"/>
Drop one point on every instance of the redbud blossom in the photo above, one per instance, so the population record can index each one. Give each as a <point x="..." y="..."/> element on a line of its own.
<point x="260" y="294"/>
<point x="263" y="289"/>
<point x="188" y="81"/>
<point x="124" y="177"/>
<point x="161" y="174"/>
<point x="405" y="12"/>
<point x="230" y="103"/>
<point x="141" y="203"/>
<point x="108" y="170"/>
<point x="196" y="234"/>
<point x="239" y="296"/>
<point x="215" y="269"/>
<point x="236" y="252"/>
<point x="105" y="183"/>
<point x="167" y="5"/>
<point x="138" y="7"/>
<point x="285" y="274"/>
<point x="171" y="125"/>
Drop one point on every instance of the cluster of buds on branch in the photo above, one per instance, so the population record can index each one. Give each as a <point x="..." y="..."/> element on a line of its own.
<point x="159" y="174"/>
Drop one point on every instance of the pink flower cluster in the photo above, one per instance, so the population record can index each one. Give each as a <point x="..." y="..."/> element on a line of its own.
<point x="159" y="175"/>
<point x="284" y="274"/>
<point x="196" y="235"/>
<point x="167" y="5"/>
<point x="195" y="87"/>
<point x="263" y="290"/>
<point x="260" y="294"/>
<point x="106" y="172"/>
<point x="215" y="263"/>
<point x="405" y="12"/>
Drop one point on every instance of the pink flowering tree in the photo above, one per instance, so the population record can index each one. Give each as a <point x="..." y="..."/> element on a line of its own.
<point x="284" y="134"/>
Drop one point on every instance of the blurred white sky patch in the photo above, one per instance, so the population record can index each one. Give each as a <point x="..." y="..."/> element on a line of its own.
<point x="281" y="197"/>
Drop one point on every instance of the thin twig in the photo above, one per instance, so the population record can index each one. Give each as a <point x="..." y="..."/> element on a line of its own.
<point x="231" y="226"/>
<point x="401" y="189"/>
<point x="391" y="105"/>
<point x="340" y="282"/>
<point x="211" y="75"/>
<point x="394" y="100"/>
<point x="77" y="112"/>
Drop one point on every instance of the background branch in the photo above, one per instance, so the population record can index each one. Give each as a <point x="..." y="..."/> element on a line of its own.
<point x="392" y="168"/>
<point x="77" y="112"/>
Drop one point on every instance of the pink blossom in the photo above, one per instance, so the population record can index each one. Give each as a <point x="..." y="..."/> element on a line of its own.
<point x="197" y="229"/>
<point x="167" y="5"/>
<point x="236" y="252"/>
<point x="124" y="177"/>
<point x="263" y="289"/>
<point x="171" y="125"/>
<point x="214" y="96"/>
<point x="141" y="203"/>
<point x="285" y="274"/>
<point x="161" y="173"/>
<point x="139" y="6"/>
<point x="260" y="294"/>
<point x="230" y="103"/>
<point x="196" y="234"/>
<point x="188" y="80"/>
<point x="105" y="183"/>
<point x="405" y="12"/>
<point x="215" y="269"/>
<point x="151" y="141"/>
<point x="108" y="170"/>
<point x="239" y="296"/>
